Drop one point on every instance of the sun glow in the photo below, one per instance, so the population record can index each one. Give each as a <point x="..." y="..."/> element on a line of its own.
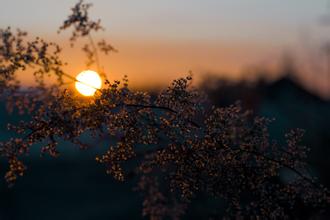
<point x="88" y="82"/>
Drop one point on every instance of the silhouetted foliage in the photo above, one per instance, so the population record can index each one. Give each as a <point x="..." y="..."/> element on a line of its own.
<point x="183" y="148"/>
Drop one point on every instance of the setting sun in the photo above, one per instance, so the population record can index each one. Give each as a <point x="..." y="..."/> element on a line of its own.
<point x="88" y="82"/>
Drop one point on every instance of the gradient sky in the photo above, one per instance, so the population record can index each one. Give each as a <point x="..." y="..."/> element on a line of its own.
<point x="161" y="39"/>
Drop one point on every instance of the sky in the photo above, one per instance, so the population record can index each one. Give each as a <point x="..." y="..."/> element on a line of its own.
<point x="161" y="40"/>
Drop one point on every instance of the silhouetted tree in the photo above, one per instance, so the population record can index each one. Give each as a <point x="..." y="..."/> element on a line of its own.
<point x="182" y="148"/>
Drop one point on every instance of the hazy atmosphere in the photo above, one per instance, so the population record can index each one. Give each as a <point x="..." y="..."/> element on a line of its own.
<point x="164" y="109"/>
<point x="161" y="40"/>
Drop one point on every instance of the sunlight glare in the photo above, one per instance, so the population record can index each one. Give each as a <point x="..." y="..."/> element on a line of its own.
<point x="88" y="82"/>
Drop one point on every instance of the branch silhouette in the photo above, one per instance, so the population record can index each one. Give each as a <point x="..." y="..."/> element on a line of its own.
<point x="183" y="148"/>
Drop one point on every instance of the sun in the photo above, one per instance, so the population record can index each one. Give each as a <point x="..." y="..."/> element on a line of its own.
<point x="88" y="82"/>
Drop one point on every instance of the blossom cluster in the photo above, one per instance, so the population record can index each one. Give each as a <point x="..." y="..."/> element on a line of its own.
<point x="183" y="146"/>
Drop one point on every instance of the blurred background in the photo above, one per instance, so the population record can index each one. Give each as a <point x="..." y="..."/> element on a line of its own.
<point x="273" y="56"/>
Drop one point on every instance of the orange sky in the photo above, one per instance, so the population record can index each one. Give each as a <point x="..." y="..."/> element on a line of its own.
<point x="155" y="63"/>
<point x="161" y="61"/>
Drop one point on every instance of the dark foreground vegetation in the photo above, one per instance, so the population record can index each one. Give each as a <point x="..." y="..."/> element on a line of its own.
<point x="183" y="154"/>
